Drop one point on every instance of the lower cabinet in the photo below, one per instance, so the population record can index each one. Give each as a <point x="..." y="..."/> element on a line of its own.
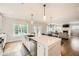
<point x="40" y="49"/>
<point x="52" y="50"/>
<point x="55" y="49"/>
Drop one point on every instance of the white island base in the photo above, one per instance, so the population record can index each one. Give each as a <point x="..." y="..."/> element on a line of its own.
<point x="47" y="46"/>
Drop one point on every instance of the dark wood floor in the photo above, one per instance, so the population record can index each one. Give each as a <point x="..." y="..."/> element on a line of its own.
<point x="67" y="50"/>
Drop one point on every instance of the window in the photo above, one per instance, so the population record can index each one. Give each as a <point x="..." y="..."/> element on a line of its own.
<point x="75" y="26"/>
<point x="59" y="28"/>
<point x="20" y="29"/>
<point x="51" y="28"/>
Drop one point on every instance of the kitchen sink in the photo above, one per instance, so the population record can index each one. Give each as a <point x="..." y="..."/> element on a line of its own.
<point x="31" y="35"/>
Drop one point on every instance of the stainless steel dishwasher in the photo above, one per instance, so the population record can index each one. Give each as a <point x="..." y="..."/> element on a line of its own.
<point x="33" y="47"/>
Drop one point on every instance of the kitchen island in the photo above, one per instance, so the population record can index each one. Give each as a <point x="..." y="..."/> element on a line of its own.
<point x="47" y="46"/>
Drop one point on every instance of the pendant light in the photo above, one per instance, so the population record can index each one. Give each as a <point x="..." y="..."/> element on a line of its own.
<point x="32" y="19"/>
<point x="44" y="17"/>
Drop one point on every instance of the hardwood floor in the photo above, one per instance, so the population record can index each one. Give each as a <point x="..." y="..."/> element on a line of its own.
<point x="67" y="50"/>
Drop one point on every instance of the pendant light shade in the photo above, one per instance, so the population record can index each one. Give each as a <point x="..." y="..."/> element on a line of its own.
<point x="44" y="17"/>
<point x="32" y="19"/>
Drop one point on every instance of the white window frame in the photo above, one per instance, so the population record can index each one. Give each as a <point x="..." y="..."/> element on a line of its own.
<point x="21" y="30"/>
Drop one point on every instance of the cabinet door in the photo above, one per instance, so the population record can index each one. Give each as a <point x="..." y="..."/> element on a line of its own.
<point x="40" y="49"/>
<point x="55" y="49"/>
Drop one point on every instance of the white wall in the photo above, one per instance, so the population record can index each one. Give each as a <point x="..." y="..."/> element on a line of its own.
<point x="0" y="23"/>
<point x="9" y="23"/>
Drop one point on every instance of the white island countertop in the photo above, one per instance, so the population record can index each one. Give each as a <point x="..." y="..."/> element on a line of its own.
<point x="46" y="40"/>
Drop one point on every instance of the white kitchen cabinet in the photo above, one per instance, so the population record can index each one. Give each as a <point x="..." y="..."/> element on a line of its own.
<point x="40" y="49"/>
<point x="54" y="49"/>
<point x="44" y="50"/>
<point x="3" y="36"/>
<point x="44" y="46"/>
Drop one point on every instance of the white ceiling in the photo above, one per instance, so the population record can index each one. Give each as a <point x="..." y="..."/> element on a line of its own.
<point x="59" y="12"/>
